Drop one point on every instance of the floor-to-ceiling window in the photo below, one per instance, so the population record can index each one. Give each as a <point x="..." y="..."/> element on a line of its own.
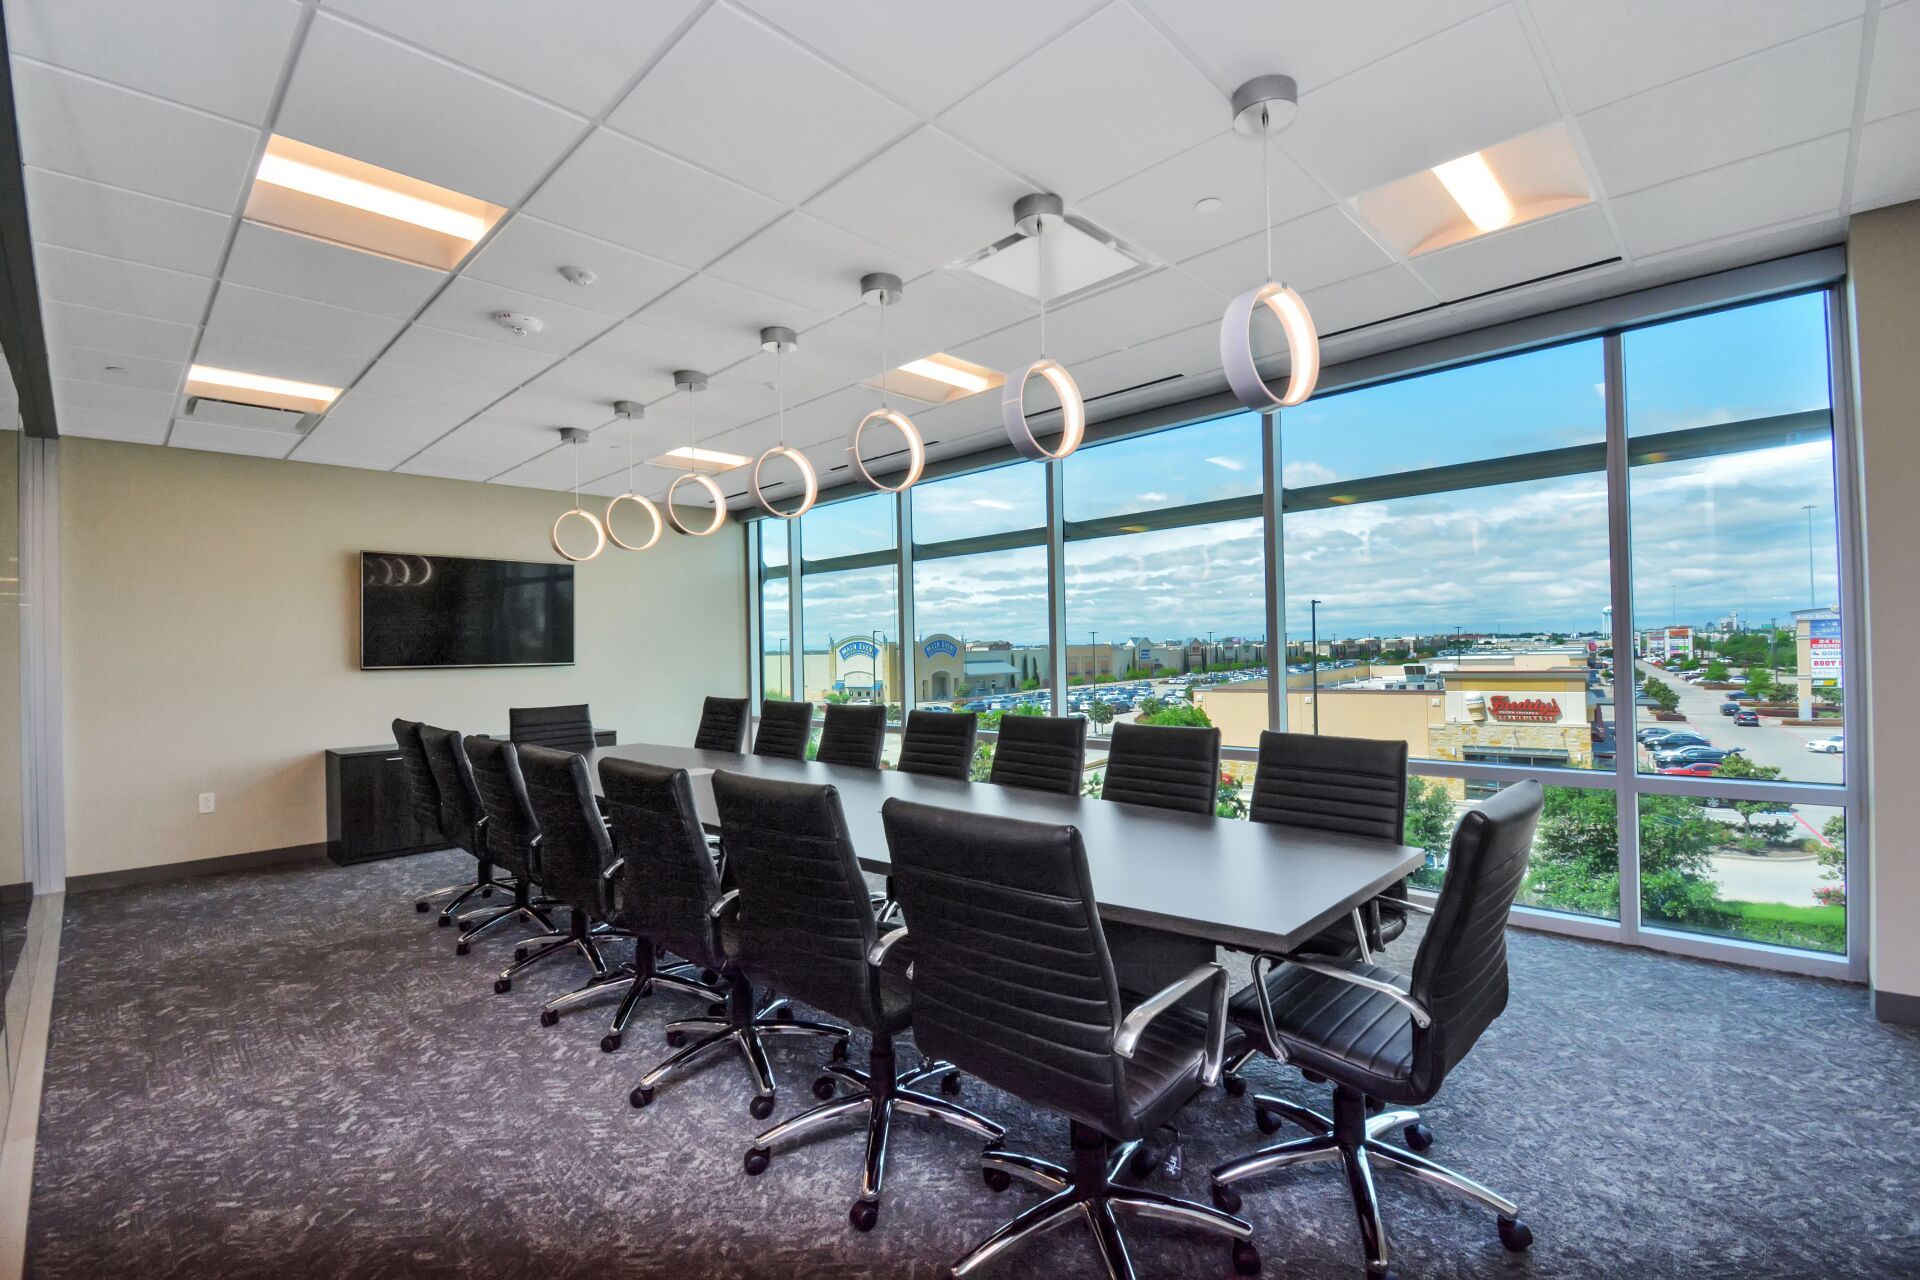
<point x="850" y="609"/>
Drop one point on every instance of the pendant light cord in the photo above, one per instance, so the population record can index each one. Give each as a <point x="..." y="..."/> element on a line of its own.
<point x="1040" y="248"/>
<point x="693" y="431"/>
<point x="1266" y="184"/>
<point x="780" y="386"/>
<point x="629" y="453"/>
<point x="883" y="348"/>
<point x="574" y="448"/>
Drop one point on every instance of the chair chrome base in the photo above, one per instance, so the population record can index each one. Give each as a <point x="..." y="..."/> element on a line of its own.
<point x="883" y="1090"/>
<point x="1091" y="1192"/>
<point x="523" y="907"/>
<point x="1353" y="1138"/>
<point x="741" y="1029"/>
<point x="632" y="983"/>
<point x="581" y="936"/>
<point x="482" y="884"/>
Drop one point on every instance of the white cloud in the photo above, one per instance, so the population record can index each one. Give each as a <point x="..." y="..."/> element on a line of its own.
<point x="1230" y="464"/>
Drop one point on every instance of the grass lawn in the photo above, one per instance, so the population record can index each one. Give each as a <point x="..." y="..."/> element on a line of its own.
<point x="1819" y="928"/>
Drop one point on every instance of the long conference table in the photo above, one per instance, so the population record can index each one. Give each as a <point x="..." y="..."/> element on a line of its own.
<point x="1171" y="887"/>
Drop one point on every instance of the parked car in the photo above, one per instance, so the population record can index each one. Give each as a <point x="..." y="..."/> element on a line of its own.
<point x="1829" y="746"/>
<point x="1694" y="755"/>
<point x="1655" y="733"/>
<point x="1675" y="741"/>
<point x="1698" y="769"/>
<point x="1746" y="718"/>
<point x="1729" y="707"/>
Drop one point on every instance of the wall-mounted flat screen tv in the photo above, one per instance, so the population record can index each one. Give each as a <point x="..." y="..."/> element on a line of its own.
<point x="450" y="611"/>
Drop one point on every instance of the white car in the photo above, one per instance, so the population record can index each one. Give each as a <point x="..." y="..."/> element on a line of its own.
<point x="1828" y="746"/>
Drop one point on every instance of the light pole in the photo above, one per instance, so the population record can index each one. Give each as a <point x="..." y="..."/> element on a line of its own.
<point x="1313" y="611"/>
<point x="1093" y="659"/>
<point x="1812" y="603"/>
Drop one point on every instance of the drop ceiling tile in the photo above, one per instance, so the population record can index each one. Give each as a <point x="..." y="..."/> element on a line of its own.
<point x="1154" y="209"/>
<point x="302" y="267"/>
<point x="527" y="254"/>
<point x="1137" y="311"/>
<point x="1015" y="347"/>
<point x="1562" y="242"/>
<point x="581" y="378"/>
<point x="491" y="364"/>
<point x="728" y="317"/>
<point x="77" y="214"/>
<point x="940" y="310"/>
<point x="467" y="306"/>
<point x="360" y="413"/>
<point x="1362" y="300"/>
<point x="507" y="443"/>
<point x="95" y="131"/>
<point x="449" y="466"/>
<point x="67" y="275"/>
<point x="577" y="54"/>
<point x="300" y="323"/>
<point x="1463" y="89"/>
<point x="250" y="353"/>
<point x="535" y="407"/>
<point x="115" y="331"/>
<point x="633" y="195"/>
<point x="132" y="401"/>
<point x="365" y="96"/>
<point x="805" y="261"/>
<point x="926" y="196"/>
<point x="222" y="56"/>
<point x="548" y="471"/>
<point x="1888" y="168"/>
<point x="1780" y="186"/>
<point x="1760" y="103"/>
<point x="646" y="356"/>
<point x="1605" y="52"/>
<point x="1322" y="247"/>
<point x="430" y="386"/>
<point x="104" y="424"/>
<point x="85" y="364"/>
<point x="214" y="437"/>
<point x="750" y="104"/>
<point x="827" y="421"/>
<point x="368" y="454"/>
<point x="1103" y="101"/>
<point x="1896" y="44"/>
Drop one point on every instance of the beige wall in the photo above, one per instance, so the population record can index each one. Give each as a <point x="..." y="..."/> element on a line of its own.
<point x="1883" y="264"/>
<point x="211" y="636"/>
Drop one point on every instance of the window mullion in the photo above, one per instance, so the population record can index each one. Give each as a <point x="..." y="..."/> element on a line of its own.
<point x="1620" y="566"/>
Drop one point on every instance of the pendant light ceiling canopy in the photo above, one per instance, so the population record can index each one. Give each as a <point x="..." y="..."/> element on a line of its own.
<point x="690" y="381"/>
<point x="1032" y="215"/>
<point x="883" y="289"/>
<point x="1262" y="107"/>
<point x="632" y="411"/>
<point x="572" y="438"/>
<point x="779" y="340"/>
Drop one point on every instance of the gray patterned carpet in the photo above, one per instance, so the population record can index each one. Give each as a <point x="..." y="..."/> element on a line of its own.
<point x="289" y="1073"/>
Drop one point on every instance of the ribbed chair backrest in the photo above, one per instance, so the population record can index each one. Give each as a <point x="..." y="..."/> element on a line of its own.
<point x="723" y="726"/>
<point x="785" y="729"/>
<point x="1012" y="981"/>
<point x="669" y="881"/>
<point x="1042" y="753"/>
<point x="1460" y="971"/>
<point x="806" y="922"/>
<point x="460" y="813"/>
<point x="1353" y="785"/>
<point x="575" y="849"/>
<point x="561" y="728"/>
<point x="854" y="735"/>
<point x="512" y="830"/>
<point x="939" y="744"/>
<point x="1164" y="767"/>
<point x="426" y="792"/>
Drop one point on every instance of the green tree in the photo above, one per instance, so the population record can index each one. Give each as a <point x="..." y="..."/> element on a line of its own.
<point x="1429" y="825"/>
<point x="1576" y="857"/>
<point x="982" y="766"/>
<point x="1228" y="802"/>
<point x="1662" y="694"/>
<point x="1717" y="671"/>
<point x="1759" y="684"/>
<point x="1093" y="784"/>
<point x="1100" y="713"/>
<point x="991" y="719"/>
<point x="1777" y="827"/>
<point x="1151" y="705"/>
<point x="1833" y="854"/>
<point x="1178" y="714"/>
<point x="1030" y="684"/>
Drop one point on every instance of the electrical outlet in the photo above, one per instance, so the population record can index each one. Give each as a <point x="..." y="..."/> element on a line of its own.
<point x="206" y="802"/>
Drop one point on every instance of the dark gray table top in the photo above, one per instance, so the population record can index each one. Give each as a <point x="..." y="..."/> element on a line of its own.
<point x="1243" y="884"/>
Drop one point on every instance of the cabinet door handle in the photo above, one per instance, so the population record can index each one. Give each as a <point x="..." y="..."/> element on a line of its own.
<point x="391" y="759"/>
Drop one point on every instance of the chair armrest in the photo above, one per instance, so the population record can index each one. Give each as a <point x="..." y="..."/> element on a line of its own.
<point x="613" y="870"/>
<point x="1135" y="1024"/>
<point x="878" y="955"/>
<point x="724" y="905"/>
<point x="1264" y="962"/>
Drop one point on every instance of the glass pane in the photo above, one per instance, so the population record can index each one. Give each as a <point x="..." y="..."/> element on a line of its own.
<point x="848" y="528"/>
<point x="1149" y="615"/>
<point x="1749" y="362"/>
<point x="1467" y="624"/>
<point x="1758" y="871"/>
<point x="1202" y="462"/>
<point x="773" y="542"/>
<point x="776" y="635"/>
<point x="983" y="629"/>
<point x="970" y="506"/>
<point x="1575" y="867"/>
<point x="1541" y="400"/>
<point x="851" y="654"/>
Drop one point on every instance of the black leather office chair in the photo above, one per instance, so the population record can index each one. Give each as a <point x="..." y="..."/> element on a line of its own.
<point x="806" y="927"/>
<point x="1379" y="1037"/>
<point x="426" y="806"/>
<point x="1042" y="753"/>
<point x="512" y="836"/>
<point x="853" y="735"/>
<point x="785" y="729"/>
<point x="576" y="865"/>
<point x="1044" y="1021"/>
<point x="1164" y="767"/>
<point x="723" y="725"/>
<point x="713" y="940"/>
<point x="561" y="728"/>
<point x="939" y="744"/>
<point x="461" y="821"/>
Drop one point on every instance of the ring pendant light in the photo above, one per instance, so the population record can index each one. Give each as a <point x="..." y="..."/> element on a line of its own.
<point x="573" y="437"/>
<point x="690" y="381"/>
<point x="883" y="290"/>
<point x="1030" y="214"/>
<point x="1263" y="107"/>
<point x="632" y="410"/>
<point x="779" y="339"/>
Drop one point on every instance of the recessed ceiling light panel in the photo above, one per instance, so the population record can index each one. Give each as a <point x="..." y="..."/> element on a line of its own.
<point x="1506" y="185"/>
<point x="259" y="389"/>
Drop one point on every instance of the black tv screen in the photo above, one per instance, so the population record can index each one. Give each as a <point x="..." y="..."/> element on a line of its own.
<point x="449" y="611"/>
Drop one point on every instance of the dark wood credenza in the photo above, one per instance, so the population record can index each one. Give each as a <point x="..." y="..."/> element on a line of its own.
<point x="370" y="804"/>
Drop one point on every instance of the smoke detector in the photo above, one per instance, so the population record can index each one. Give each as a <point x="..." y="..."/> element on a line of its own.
<point x="579" y="277"/>
<point x="518" y="323"/>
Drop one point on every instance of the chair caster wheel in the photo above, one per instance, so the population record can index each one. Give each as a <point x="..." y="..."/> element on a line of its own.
<point x="863" y="1215"/>
<point x="718" y="1009"/>
<point x="709" y="977"/>
<point x="839" y="1050"/>
<point x="502" y="985"/>
<point x="1143" y="1161"/>
<point x="761" y="1106"/>
<point x="756" y="1161"/>
<point x="823" y="1088"/>
<point x="1515" y="1234"/>
<point x="675" y="1039"/>
<point x="486" y="893"/>
<point x="519" y="953"/>
<point x="641" y="1096"/>
<point x="444" y="921"/>
<point x="548" y="1017"/>
<point x="1268" y="1121"/>
<point x="996" y="1179"/>
<point x="462" y="947"/>
<point x="1375" y="1106"/>
<point x="421" y="907"/>
<point x="785" y="1013"/>
<point x="1235" y="1087"/>
<point x="1419" y="1135"/>
<point x="1312" y="1077"/>
<point x="1225" y="1198"/>
<point x="950" y="1082"/>
<point x="1246" y="1258"/>
<point x="608" y="1043"/>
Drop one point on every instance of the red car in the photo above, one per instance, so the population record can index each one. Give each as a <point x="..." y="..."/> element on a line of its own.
<point x="1699" y="769"/>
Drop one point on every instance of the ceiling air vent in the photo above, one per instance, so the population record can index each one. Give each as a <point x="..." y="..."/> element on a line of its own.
<point x="1081" y="257"/>
<point x="231" y="413"/>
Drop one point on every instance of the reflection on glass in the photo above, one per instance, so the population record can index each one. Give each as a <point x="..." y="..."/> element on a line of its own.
<point x="982" y="502"/>
<point x="983" y="628"/>
<point x="1204" y="462"/>
<point x="852" y="645"/>
<point x="1760" y="871"/>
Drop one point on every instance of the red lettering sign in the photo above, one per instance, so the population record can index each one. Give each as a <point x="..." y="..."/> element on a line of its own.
<point x="1537" y="710"/>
